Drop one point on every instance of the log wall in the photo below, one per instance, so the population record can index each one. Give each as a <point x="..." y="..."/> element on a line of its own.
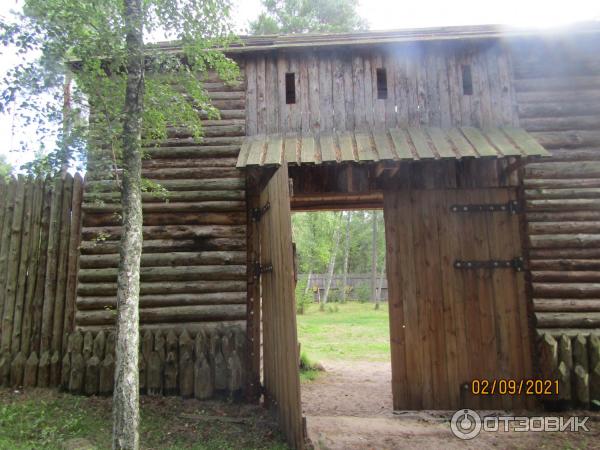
<point x="557" y="84"/>
<point x="39" y="248"/>
<point x="193" y="274"/>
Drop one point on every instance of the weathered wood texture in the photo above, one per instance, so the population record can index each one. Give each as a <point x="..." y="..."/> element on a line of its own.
<point x="193" y="268"/>
<point x="280" y="343"/>
<point x="338" y="90"/>
<point x="557" y="83"/>
<point x="167" y="362"/>
<point x="448" y="325"/>
<point x="38" y="249"/>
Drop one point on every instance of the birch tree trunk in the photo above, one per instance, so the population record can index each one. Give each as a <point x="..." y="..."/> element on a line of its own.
<point x="334" y="250"/>
<point x="374" y="262"/>
<point x="346" y="257"/>
<point x="126" y="392"/>
<point x="308" y="282"/>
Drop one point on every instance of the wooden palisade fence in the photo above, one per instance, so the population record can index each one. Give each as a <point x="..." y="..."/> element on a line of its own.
<point x="39" y="249"/>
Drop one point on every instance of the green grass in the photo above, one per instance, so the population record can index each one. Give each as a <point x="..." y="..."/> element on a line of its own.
<point x="355" y="332"/>
<point x="41" y="418"/>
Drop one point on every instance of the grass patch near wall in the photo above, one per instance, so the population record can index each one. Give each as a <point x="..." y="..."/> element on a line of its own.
<point x="44" y="418"/>
<point x="347" y="332"/>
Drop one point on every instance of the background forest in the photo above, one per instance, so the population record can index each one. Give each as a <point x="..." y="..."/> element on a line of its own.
<point x="339" y="243"/>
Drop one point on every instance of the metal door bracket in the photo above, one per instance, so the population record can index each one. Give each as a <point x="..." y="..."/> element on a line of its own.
<point x="512" y="207"/>
<point x="260" y="269"/>
<point x="257" y="213"/>
<point x="515" y="263"/>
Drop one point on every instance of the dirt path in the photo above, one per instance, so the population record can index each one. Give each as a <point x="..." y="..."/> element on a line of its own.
<point x="350" y="389"/>
<point x="350" y="407"/>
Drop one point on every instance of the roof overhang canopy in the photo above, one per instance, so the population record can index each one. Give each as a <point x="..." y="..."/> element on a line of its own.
<point x="393" y="144"/>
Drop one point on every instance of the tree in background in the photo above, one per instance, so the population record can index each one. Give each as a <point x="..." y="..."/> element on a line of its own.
<point x="304" y="16"/>
<point x="100" y="45"/>
<point x="5" y="168"/>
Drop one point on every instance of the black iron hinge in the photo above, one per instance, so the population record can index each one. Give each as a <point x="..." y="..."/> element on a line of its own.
<point x="260" y="269"/>
<point x="257" y="213"/>
<point x="515" y="263"/>
<point x="512" y="207"/>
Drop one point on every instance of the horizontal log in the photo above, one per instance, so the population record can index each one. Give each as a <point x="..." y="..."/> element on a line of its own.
<point x="568" y="319"/>
<point x="192" y="141"/>
<point x="560" y="216"/>
<point x="571" y="290"/>
<point x="207" y="131"/>
<point x="562" y="170"/>
<point x="216" y="184"/>
<point x="222" y="87"/>
<point x="191" y="327"/>
<point x="570" y="332"/>
<point x="190" y="173"/>
<point x="557" y="83"/>
<point x="563" y="227"/>
<point x="234" y="103"/>
<point x="155" y="288"/>
<point x="564" y="264"/>
<point x="564" y="240"/>
<point x="159" y="152"/>
<point x="572" y="253"/>
<point x="178" y="273"/>
<point x="583" y="276"/>
<point x="154" y="301"/>
<point x="573" y="138"/>
<point x="173" y="314"/>
<point x="167" y="232"/>
<point x="558" y="109"/>
<point x="169" y="218"/>
<point x="568" y="204"/>
<point x="558" y="96"/>
<point x="566" y="305"/>
<point x="172" y="196"/>
<point x="226" y="95"/>
<point x="583" y="122"/>
<point x="582" y="193"/>
<point x="556" y="183"/>
<point x="227" y="114"/>
<point x="188" y="162"/>
<point x="166" y="259"/>
<point x="573" y="154"/>
<point x="208" y="206"/>
<point x="166" y="246"/>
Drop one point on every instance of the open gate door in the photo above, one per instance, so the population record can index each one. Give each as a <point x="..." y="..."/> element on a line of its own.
<point x="458" y="309"/>
<point x="280" y="341"/>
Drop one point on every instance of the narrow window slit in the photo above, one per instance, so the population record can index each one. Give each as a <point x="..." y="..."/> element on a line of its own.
<point x="467" y="80"/>
<point x="382" y="90"/>
<point x="290" y="88"/>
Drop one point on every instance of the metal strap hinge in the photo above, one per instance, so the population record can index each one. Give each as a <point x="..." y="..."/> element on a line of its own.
<point x="257" y="213"/>
<point x="512" y="207"/>
<point x="260" y="269"/>
<point x="515" y="263"/>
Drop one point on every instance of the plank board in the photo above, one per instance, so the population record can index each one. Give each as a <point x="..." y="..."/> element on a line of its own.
<point x="280" y="343"/>
<point x="449" y="326"/>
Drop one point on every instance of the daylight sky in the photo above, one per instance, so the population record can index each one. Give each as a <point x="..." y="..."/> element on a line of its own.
<point x="380" y="15"/>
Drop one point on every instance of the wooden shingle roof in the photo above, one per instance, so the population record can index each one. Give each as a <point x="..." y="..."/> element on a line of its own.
<point x="393" y="144"/>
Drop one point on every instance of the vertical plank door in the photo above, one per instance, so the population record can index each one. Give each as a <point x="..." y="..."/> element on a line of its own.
<point x="280" y="342"/>
<point x="449" y="326"/>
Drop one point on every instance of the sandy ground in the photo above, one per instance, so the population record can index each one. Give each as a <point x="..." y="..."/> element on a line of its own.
<point x="350" y="407"/>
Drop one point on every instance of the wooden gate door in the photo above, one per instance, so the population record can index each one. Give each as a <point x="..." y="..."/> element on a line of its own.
<point x="457" y="314"/>
<point x="280" y="342"/>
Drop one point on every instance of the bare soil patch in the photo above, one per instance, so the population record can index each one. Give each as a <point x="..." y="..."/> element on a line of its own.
<point x="350" y="407"/>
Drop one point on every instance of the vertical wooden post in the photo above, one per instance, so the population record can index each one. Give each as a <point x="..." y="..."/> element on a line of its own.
<point x="73" y="258"/>
<point x="253" y="310"/>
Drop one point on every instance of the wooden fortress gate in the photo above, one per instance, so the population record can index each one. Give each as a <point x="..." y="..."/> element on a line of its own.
<point x="458" y="309"/>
